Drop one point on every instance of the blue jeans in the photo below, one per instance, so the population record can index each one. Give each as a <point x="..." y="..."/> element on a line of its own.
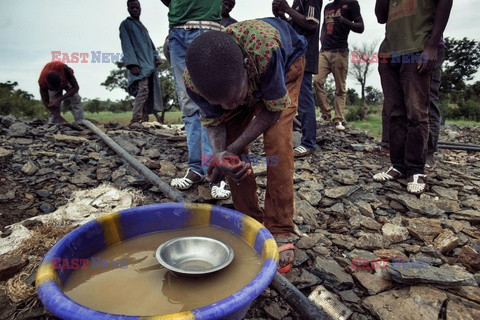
<point x="306" y="112"/>
<point x="197" y="139"/>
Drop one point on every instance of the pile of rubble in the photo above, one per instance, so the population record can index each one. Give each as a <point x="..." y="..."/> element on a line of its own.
<point x="381" y="252"/>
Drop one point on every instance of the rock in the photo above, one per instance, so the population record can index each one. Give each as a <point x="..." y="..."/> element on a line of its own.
<point x="81" y="179"/>
<point x="447" y="277"/>
<point x="276" y="311"/>
<point x="305" y="280"/>
<point x="349" y="296"/>
<point x="389" y="254"/>
<point x="29" y="168"/>
<point x="168" y="169"/>
<point x="104" y="174"/>
<point x="446" y="193"/>
<point x="470" y="258"/>
<point x="424" y="207"/>
<point x="467" y="215"/>
<point x="414" y="303"/>
<point x="309" y="213"/>
<point x="455" y="226"/>
<point x="359" y="221"/>
<point x="339" y="192"/>
<point x="332" y="274"/>
<point x="46" y="207"/>
<point x="305" y="243"/>
<point x="69" y="139"/>
<point x="313" y="197"/>
<point x="445" y="241"/>
<point x="371" y="241"/>
<point x="348" y="177"/>
<point x="424" y="229"/>
<point x="5" y="154"/>
<point x="374" y="283"/>
<point x="124" y="142"/>
<point x="469" y="292"/>
<point x="394" y="233"/>
<point x="18" y="129"/>
<point x="365" y="209"/>
<point x="7" y="310"/>
<point x="11" y="265"/>
<point x="449" y="206"/>
<point x="458" y="308"/>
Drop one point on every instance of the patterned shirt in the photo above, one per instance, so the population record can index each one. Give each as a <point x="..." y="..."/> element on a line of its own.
<point x="270" y="46"/>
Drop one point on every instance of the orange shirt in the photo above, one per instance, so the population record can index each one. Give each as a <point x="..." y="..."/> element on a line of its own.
<point x="54" y="66"/>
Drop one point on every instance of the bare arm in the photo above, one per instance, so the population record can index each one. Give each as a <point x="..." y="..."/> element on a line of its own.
<point x="381" y="11"/>
<point x="73" y="83"/>
<point x="44" y="96"/>
<point x="282" y="6"/>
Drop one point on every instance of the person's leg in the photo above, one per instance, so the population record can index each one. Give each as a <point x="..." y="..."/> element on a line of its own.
<point x="396" y="111"/>
<point x="52" y="95"/>
<point x="244" y="193"/>
<point x="319" y="84"/>
<point x="385" y="119"/>
<point x="279" y="196"/>
<point x="339" y="71"/>
<point x="179" y="39"/>
<point x="306" y="111"/>
<point x="416" y="88"/>
<point x="434" y="111"/>
<point x="139" y="103"/>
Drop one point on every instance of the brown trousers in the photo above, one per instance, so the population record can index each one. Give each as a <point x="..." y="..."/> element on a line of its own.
<point x="279" y="202"/>
<point x="335" y="63"/>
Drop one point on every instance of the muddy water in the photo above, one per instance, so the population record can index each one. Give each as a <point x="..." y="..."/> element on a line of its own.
<point x="127" y="278"/>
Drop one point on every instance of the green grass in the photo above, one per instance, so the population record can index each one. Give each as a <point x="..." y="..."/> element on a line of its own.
<point x="373" y="124"/>
<point x="123" y="118"/>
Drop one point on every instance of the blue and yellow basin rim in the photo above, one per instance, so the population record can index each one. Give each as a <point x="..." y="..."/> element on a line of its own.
<point x="99" y="234"/>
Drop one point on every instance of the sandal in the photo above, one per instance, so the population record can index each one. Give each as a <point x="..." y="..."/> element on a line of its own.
<point x="414" y="186"/>
<point x="389" y="175"/>
<point x="187" y="181"/>
<point x="219" y="192"/>
<point x="286" y="245"/>
<point x="301" y="151"/>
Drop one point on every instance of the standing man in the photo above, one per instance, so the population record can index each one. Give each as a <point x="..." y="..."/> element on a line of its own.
<point x="141" y="59"/>
<point x="340" y="17"/>
<point x="56" y="77"/>
<point x="413" y="31"/>
<point x="187" y="20"/>
<point x="227" y="6"/>
<point x="305" y="19"/>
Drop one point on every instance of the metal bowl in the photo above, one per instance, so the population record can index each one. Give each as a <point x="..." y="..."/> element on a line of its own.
<point x="194" y="256"/>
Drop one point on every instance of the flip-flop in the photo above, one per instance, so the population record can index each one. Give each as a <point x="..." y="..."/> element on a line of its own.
<point x="284" y="247"/>
<point x="386" y="176"/>
<point x="186" y="183"/>
<point x="416" y="187"/>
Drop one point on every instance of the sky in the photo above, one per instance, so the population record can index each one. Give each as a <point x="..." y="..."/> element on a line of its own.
<point x="30" y="30"/>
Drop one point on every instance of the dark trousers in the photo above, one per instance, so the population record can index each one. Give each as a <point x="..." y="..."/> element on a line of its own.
<point x="433" y="113"/>
<point x="306" y="113"/>
<point x="407" y="102"/>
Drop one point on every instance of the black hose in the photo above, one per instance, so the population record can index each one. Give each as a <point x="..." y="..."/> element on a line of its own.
<point x="458" y="147"/>
<point x="142" y="169"/>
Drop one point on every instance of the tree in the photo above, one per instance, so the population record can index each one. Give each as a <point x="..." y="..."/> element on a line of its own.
<point x="19" y="103"/>
<point x="352" y="97"/>
<point x="373" y="96"/>
<point x="462" y="59"/>
<point x="362" y="58"/>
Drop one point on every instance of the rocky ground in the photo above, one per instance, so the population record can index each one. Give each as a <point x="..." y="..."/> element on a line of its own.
<point x="382" y="253"/>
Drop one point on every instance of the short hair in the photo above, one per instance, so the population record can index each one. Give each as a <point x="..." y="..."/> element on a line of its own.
<point x="215" y="63"/>
<point x="53" y="79"/>
<point x="128" y="1"/>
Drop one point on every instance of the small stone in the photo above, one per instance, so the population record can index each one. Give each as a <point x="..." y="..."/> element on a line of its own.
<point x="362" y="221"/>
<point x="5" y="154"/>
<point x="389" y="254"/>
<point x="349" y="296"/>
<point x="445" y="241"/>
<point x="313" y="197"/>
<point x="11" y="265"/>
<point x="69" y="139"/>
<point x="394" y="233"/>
<point x="29" y="168"/>
<point x="424" y="229"/>
<point x="276" y="311"/>
<point x="458" y="308"/>
<point x="424" y="207"/>
<point x="168" y="169"/>
<point x="470" y="258"/>
<point x="467" y="215"/>
<point x="338" y="192"/>
<point x="374" y="283"/>
<point x="446" y="193"/>
<point x="305" y="243"/>
<point x="332" y="274"/>
<point x="371" y="241"/>
<point x="365" y="209"/>
<point x="46" y="208"/>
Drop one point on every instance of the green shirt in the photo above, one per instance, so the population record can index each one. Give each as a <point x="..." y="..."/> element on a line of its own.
<point x="181" y="11"/>
<point x="409" y="26"/>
